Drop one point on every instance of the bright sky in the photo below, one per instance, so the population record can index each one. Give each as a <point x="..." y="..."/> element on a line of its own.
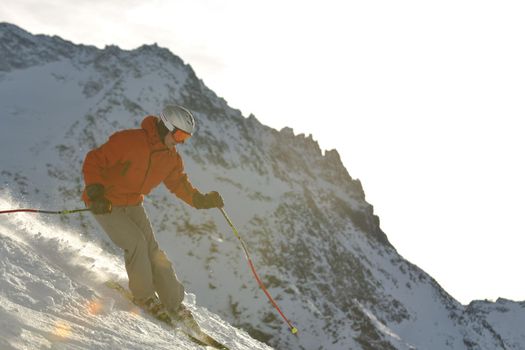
<point x="422" y="99"/>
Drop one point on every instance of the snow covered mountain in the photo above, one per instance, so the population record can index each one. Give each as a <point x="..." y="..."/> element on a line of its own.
<point x="315" y="240"/>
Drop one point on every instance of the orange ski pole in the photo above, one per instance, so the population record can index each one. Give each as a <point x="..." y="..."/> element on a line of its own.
<point x="292" y="328"/>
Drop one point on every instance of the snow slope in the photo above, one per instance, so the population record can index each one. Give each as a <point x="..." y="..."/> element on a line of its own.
<point x="51" y="295"/>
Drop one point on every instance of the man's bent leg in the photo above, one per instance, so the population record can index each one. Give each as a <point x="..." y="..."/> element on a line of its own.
<point x="123" y="231"/>
<point x="167" y="285"/>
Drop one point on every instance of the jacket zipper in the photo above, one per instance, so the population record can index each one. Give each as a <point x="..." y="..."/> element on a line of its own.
<point x="148" y="169"/>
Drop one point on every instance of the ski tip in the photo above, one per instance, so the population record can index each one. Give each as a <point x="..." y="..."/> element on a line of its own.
<point x="294" y="331"/>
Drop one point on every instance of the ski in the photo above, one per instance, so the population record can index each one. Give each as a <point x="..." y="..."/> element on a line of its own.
<point x="198" y="336"/>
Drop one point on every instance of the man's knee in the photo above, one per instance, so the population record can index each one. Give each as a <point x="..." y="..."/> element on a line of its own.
<point x="160" y="260"/>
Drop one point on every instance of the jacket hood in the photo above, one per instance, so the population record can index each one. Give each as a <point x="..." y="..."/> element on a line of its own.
<point x="149" y="125"/>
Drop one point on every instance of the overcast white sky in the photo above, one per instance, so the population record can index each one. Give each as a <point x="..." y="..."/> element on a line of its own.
<point x="422" y="99"/>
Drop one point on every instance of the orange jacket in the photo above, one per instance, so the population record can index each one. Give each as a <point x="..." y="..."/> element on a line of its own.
<point x="132" y="163"/>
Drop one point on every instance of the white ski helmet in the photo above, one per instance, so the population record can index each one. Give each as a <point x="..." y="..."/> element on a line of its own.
<point x="175" y="116"/>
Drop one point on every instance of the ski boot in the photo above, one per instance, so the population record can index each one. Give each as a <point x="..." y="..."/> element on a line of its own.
<point x="154" y="307"/>
<point x="184" y="317"/>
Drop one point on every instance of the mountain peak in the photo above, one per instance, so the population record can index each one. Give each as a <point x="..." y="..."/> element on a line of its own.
<point x="20" y="49"/>
<point x="6" y="27"/>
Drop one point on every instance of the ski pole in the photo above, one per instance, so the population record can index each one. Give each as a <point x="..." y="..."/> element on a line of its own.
<point x="252" y="267"/>
<point x="64" y="212"/>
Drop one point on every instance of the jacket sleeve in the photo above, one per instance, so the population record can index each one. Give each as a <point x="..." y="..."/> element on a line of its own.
<point x="100" y="159"/>
<point x="179" y="184"/>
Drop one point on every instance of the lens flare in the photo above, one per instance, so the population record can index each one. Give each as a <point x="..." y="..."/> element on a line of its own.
<point x="62" y="330"/>
<point x="94" y="307"/>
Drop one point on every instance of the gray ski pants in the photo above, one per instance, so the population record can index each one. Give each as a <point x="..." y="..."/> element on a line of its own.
<point x="148" y="267"/>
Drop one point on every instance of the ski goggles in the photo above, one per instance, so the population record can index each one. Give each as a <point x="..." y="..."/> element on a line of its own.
<point x="179" y="135"/>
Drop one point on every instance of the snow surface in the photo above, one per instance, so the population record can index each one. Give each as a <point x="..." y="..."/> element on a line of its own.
<point x="51" y="295"/>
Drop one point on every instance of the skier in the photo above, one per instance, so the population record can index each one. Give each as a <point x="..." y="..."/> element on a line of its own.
<point x="117" y="176"/>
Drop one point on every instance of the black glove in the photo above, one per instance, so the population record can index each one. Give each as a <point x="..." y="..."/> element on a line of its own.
<point x="99" y="203"/>
<point x="208" y="200"/>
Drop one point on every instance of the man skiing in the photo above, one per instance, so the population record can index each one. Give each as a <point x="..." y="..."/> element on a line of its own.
<point x="117" y="176"/>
